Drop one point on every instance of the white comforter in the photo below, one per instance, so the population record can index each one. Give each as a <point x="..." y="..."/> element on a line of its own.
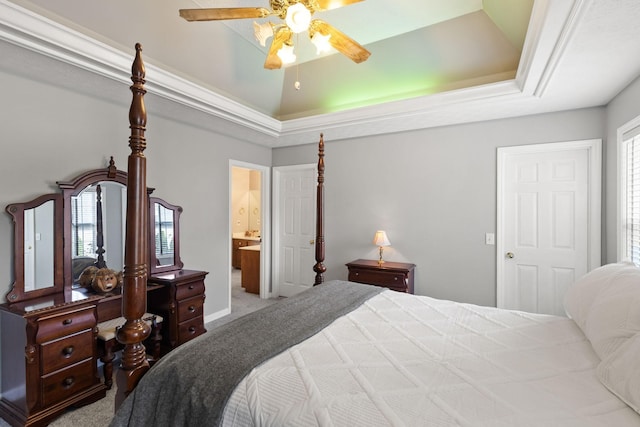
<point x="404" y="360"/>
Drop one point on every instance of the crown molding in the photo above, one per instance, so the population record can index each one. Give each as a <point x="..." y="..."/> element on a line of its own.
<point x="42" y="35"/>
<point x="541" y="53"/>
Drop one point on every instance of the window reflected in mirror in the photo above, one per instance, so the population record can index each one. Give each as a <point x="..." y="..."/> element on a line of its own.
<point x="164" y="235"/>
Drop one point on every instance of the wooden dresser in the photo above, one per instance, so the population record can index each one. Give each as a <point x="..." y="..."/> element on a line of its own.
<point x="57" y="365"/>
<point x="49" y="322"/>
<point x="180" y="302"/>
<point x="398" y="276"/>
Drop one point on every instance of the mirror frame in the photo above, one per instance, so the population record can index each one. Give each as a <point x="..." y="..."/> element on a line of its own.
<point x="75" y="187"/>
<point x="177" y="262"/>
<point x="17" y="291"/>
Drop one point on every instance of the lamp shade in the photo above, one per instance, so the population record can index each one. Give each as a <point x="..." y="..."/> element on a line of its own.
<point x="380" y="239"/>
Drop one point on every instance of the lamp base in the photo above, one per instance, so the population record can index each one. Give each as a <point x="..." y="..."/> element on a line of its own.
<point x="381" y="261"/>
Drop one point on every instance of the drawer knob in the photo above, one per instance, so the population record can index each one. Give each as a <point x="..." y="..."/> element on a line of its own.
<point x="191" y="286"/>
<point x="357" y="274"/>
<point x="67" y="321"/>
<point x="192" y="308"/>
<point x="192" y="329"/>
<point x="68" y="351"/>
<point x="395" y="278"/>
<point x="68" y="382"/>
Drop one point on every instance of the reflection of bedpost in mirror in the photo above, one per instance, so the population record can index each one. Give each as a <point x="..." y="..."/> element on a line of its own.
<point x="97" y="224"/>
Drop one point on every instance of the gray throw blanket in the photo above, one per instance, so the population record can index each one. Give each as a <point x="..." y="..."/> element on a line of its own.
<point x="190" y="386"/>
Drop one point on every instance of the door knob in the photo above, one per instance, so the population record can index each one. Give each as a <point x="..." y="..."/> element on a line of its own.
<point x="510" y="255"/>
<point x="311" y="242"/>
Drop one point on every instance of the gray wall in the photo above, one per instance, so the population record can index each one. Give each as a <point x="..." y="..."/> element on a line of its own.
<point x="52" y="132"/>
<point x="434" y="192"/>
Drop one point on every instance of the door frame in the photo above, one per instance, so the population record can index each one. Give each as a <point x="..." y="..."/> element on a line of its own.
<point x="277" y="176"/>
<point x="594" y="149"/>
<point x="265" y="221"/>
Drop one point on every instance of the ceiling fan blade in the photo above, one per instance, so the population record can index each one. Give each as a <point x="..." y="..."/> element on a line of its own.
<point x="281" y="36"/>
<point x="334" y="4"/>
<point x="341" y="42"/>
<point x="215" y="14"/>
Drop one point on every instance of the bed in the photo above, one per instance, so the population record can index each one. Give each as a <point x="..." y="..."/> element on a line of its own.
<point x="348" y="354"/>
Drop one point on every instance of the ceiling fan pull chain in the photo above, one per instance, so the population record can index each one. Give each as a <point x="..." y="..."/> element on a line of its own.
<point x="297" y="83"/>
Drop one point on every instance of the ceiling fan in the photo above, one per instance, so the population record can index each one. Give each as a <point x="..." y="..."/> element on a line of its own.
<point x="297" y="18"/>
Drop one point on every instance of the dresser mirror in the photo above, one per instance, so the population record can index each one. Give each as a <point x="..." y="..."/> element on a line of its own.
<point x="90" y="214"/>
<point x="94" y="220"/>
<point x="98" y="215"/>
<point x="37" y="248"/>
<point x="164" y="243"/>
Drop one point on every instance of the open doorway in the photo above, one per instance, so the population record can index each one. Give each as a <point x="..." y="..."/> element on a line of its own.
<point x="249" y="242"/>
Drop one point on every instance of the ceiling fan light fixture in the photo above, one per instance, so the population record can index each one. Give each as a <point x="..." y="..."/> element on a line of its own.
<point x="321" y="42"/>
<point x="286" y="55"/>
<point x="298" y="18"/>
<point x="262" y="32"/>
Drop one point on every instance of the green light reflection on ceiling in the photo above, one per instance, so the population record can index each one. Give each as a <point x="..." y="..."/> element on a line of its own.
<point x="343" y="98"/>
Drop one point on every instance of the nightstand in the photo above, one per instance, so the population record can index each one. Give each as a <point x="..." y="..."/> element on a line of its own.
<point x="397" y="276"/>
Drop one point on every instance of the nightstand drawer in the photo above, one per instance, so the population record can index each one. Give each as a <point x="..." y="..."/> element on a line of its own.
<point x="380" y="278"/>
<point x="397" y="276"/>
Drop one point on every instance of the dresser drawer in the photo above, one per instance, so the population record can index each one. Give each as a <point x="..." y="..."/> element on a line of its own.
<point x="67" y="351"/>
<point x="190" y="308"/>
<point x="67" y="382"/>
<point x="380" y="278"/>
<point x="51" y="328"/>
<point x="191" y="329"/>
<point x="189" y="290"/>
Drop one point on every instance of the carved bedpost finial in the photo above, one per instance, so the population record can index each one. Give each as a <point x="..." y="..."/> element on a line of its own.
<point x="137" y="111"/>
<point x="319" y="267"/>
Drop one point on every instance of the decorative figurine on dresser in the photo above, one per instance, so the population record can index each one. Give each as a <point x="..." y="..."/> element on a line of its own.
<point x="50" y="321"/>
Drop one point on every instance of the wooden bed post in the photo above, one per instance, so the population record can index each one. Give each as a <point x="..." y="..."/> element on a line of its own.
<point x="319" y="267"/>
<point x="134" y="289"/>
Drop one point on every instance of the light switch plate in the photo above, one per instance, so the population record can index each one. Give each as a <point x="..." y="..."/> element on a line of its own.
<point x="489" y="239"/>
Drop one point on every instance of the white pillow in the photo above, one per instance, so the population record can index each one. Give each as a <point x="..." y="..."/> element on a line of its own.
<point x="620" y="372"/>
<point x="614" y="316"/>
<point x="582" y="294"/>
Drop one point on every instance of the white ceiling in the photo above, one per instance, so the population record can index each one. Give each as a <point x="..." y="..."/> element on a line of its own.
<point x="433" y="62"/>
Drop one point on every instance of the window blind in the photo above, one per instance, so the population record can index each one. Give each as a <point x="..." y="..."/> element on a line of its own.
<point x="631" y="190"/>
<point x="84" y="223"/>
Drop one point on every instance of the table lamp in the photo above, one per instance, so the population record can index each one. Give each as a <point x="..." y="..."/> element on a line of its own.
<point x="380" y="239"/>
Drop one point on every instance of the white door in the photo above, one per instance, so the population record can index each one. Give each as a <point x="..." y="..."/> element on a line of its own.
<point x="548" y="222"/>
<point x="295" y="229"/>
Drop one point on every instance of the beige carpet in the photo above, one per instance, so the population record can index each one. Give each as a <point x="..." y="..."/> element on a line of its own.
<point x="99" y="414"/>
